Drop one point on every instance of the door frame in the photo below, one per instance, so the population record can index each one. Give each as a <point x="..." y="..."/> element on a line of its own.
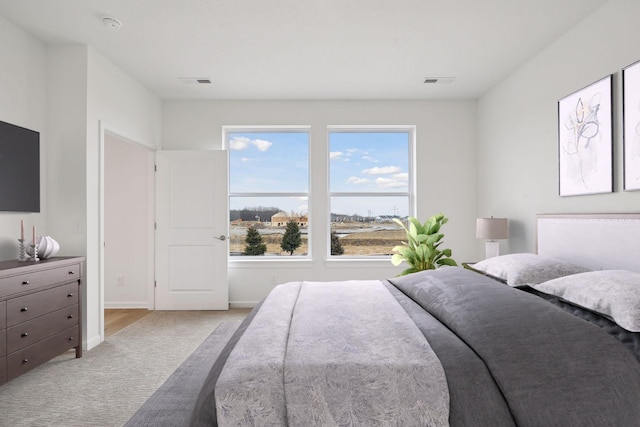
<point x="107" y="128"/>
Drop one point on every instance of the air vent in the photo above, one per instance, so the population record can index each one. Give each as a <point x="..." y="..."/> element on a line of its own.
<point x="438" y="80"/>
<point x="195" y="80"/>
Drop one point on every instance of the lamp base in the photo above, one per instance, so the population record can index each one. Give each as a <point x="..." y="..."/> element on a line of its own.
<point x="491" y="248"/>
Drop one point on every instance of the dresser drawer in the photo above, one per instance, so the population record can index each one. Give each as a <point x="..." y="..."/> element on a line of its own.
<point x="34" y="305"/>
<point x="37" y="279"/>
<point x="3" y="315"/>
<point x="3" y="343"/>
<point x="3" y="370"/>
<point x="30" y="332"/>
<point x="28" y="358"/>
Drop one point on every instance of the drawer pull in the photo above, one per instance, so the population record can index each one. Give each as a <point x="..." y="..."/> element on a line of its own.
<point x="23" y="309"/>
<point x="70" y="294"/>
<point x="25" y="282"/>
<point x="70" y="316"/>
<point x="24" y="335"/>
<point x="72" y="273"/>
<point x="70" y="338"/>
<point x="25" y="361"/>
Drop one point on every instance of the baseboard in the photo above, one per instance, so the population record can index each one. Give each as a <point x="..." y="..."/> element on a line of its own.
<point x="242" y="304"/>
<point x="131" y="304"/>
<point x="91" y="342"/>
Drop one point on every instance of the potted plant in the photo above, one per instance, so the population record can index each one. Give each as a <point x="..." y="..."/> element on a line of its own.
<point x="422" y="248"/>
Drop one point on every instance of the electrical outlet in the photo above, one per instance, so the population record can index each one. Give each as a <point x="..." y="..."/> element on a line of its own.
<point x="120" y="281"/>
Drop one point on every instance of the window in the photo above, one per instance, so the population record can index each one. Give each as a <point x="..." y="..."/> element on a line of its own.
<point x="268" y="188"/>
<point x="370" y="184"/>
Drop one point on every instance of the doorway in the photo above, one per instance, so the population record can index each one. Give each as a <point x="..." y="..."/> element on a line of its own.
<point x="127" y="221"/>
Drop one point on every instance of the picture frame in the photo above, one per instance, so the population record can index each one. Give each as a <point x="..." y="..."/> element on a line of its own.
<point x="631" y="126"/>
<point x="585" y="140"/>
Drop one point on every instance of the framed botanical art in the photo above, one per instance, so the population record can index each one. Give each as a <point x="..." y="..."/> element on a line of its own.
<point x="631" y="120"/>
<point x="585" y="140"/>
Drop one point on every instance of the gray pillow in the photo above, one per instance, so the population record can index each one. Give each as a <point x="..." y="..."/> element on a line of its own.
<point x="526" y="268"/>
<point x="613" y="293"/>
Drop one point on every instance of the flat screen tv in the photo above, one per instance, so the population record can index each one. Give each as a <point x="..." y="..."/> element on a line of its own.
<point x="19" y="169"/>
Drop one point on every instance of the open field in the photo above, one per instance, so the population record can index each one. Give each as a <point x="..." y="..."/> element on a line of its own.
<point x="375" y="242"/>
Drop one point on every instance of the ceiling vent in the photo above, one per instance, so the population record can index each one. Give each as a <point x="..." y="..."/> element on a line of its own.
<point x="195" y="80"/>
<point x="438" y="80"/>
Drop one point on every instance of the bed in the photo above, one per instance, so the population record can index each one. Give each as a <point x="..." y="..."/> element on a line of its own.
<point x="487" y="346"/>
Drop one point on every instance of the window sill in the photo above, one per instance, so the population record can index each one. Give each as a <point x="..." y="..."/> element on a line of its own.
<point x="271" y="262"/>
<point x="353" y="262"/>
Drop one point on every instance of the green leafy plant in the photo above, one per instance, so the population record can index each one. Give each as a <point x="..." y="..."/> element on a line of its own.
<point x="422" y="248"/>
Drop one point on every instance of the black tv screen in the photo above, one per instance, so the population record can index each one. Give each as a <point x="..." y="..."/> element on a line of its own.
<point x="19" y="169"/>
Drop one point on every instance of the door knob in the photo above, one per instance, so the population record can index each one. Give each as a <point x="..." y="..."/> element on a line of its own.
<point x="222" y="237"/>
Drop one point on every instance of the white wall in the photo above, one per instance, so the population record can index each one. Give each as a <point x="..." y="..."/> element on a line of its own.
<point x="445" y="174"/>
<point x="23" y="102"/>
<point x="517" y="124"/>
<point x="128" y="223"/>
<point x="85" y="92"/>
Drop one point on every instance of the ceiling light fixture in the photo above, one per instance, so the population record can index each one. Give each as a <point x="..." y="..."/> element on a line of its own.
<point x="112" y="23"/>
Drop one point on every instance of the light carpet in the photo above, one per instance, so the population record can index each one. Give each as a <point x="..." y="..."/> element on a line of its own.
<point x="111" y="381"/>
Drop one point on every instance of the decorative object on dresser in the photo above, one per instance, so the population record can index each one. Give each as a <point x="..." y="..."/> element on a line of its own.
<point x="47" y="247"/>
<point x="492" y="229"/>
<point x="39" y="313"/>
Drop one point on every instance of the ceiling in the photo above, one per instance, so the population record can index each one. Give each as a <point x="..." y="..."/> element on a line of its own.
<point x="308" y="49"/>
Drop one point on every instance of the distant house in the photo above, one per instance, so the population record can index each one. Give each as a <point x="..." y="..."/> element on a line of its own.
<point x="282" y="218"/>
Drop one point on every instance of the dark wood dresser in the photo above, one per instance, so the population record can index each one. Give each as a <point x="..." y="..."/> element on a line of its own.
<point x="39" y="312"/>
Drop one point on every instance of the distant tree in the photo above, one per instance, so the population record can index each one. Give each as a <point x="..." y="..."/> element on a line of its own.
<point x="336" y="246"/>
<point x="254" y="244"/>
<point x="292" y="238"/>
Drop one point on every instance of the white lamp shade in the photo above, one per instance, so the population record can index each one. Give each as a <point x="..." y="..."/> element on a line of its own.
<point x="492" y="228"/>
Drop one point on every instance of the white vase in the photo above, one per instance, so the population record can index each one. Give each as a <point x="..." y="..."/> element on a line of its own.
<point x="47" y="247"/>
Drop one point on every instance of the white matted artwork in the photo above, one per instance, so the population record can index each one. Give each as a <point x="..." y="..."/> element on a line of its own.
<point x="631" y="118"/>
<point x="585" y="140"/>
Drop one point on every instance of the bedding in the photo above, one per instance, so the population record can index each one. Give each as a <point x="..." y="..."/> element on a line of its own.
<point x="631" y="340"/>
<point x="526" y="268"/>
<point x="612" y="293"/>
<point x="507" y="358"/>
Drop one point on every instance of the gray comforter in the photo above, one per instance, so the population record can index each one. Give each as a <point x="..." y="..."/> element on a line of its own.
<point x="510" y="358"/>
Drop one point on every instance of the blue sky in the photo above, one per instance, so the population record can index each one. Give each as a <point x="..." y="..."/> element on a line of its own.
<point x="363" y="162"/>
<point x="359" y="162"/>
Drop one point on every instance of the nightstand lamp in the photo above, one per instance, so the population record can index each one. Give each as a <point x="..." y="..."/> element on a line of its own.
<point x="492" y="229"/>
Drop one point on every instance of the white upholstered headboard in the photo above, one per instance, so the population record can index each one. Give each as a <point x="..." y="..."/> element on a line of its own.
<point x="596" y="241"/>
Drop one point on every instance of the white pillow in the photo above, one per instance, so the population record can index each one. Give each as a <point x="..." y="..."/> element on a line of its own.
<point x="526" y="268"/>
<point x="613" y="293"/>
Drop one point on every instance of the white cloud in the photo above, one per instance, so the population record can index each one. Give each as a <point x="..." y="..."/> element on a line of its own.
<point x="261" y="144"/>
<point x="335" y="154"/>
<point x="245" y="159"/>
<point x="385" y="170"/>
<point x="239" y="143"/>
<point x="402" y="176"/>
<point x="389" y="183"/>
<point x="370" y="159"/>
<point x="357" y="181"/>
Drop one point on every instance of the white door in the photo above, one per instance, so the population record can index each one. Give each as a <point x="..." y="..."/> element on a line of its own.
<point x="192" y="225"/>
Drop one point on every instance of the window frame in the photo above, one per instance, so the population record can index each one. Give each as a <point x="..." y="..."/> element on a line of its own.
<point x="411" y="182"/>
<point x="226" y="132"/>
